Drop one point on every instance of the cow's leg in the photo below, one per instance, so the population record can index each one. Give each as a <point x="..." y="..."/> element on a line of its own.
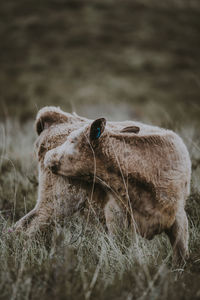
<point x="41" y="223"/>
<point x="24" y="222"/>
<point x="178" y="235"/>
<point x="33" y="222"/>
<point x="114" y="215"/>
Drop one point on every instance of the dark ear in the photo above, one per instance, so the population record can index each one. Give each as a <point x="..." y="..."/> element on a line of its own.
<point x="134" y="129"/>
<point x="48" y="116"/>
<point x="97" y="128"/>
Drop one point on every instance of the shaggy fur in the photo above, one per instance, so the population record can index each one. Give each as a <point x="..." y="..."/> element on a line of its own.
<point x="58" y="197"/>
<point x="146" y="169"/>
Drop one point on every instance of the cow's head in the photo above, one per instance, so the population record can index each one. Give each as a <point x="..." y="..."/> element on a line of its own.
<point x="77" y="156"/>
<point x="90" y="150"/>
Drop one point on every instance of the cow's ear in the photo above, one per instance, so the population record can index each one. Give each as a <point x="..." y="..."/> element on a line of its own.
<point x="131" y="129"/>
<point x="97" y="128"/>
<point x="48" y="116"/>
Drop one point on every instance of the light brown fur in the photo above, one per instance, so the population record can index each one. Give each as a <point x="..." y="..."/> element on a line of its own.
<point x="58" y="197"/>
<point x="146" y="171"/>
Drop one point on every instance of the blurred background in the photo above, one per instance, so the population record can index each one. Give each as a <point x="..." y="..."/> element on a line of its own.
<point x="130" y="59"/>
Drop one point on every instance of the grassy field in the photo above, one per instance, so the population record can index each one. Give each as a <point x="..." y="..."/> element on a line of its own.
<point x="134" y="60"/>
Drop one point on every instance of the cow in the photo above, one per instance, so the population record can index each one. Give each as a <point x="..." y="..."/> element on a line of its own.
<point x="145" y="169"/>
<point x="58" y="197"/>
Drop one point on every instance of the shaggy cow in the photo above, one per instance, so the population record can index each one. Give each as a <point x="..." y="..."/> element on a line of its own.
<point x="146" y="170"/>
<point x="58" y="197"/>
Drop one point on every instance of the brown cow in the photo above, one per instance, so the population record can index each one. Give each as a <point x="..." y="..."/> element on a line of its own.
<point x="58" y="197"/>
<point x="146" y="170"/>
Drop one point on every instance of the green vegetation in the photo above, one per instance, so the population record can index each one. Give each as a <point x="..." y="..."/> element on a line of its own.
<point x="118" y="59"/>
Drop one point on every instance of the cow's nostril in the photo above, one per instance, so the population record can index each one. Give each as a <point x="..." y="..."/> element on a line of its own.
<point x="54" y="168"/>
